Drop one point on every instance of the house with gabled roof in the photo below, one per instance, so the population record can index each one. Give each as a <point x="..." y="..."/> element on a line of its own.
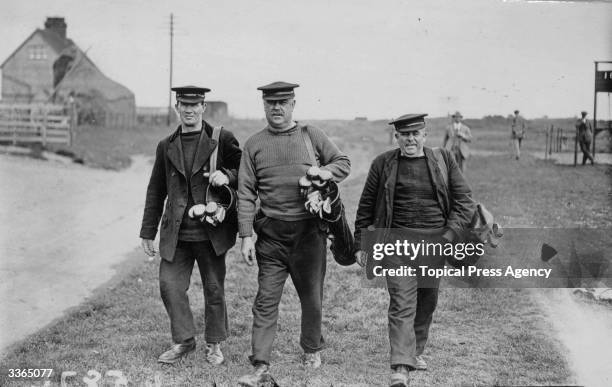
<point x="50" y="67"/>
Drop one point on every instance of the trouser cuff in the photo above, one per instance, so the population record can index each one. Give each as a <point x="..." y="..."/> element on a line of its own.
<point x="256" y="362"/>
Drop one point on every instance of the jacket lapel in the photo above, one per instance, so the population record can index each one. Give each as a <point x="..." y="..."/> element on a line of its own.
<point x="175" y="151"/>
<point x="390" y="178"/>
<point x="206" y="145"/>
<point x="436" y="178"/>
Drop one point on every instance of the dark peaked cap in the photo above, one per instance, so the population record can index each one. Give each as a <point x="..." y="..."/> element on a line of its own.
<point x="278" y="91"/>
<point x="190" y="94"/>
<point x="409" y="122"/>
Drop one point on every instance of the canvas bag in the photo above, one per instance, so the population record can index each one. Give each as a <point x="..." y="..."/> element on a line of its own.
<point x="482" y="227"/>
<point x="339" y="232"/>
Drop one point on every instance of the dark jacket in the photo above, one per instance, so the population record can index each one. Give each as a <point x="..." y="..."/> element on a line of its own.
<point x="168" y="180"/>
<point x="376" y="203"/>
<point x="585" y="131"/>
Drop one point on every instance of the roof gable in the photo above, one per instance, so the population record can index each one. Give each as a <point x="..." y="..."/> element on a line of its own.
<point x="56" y="42"/>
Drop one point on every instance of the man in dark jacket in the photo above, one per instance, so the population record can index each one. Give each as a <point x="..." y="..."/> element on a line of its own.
<point x="518" y="130"/>
<point x="181" y="174"/>
<point x="585" y="136"/>
<point x="406" y="194"/>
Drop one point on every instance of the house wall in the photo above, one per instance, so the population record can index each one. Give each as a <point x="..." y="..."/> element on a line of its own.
<point x="27" y="79"/>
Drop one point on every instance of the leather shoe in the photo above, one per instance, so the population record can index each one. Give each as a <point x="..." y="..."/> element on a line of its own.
<point x="400" y="377"/>
<point x="260" y="375"/>
<point x="312" y="360"/>
<point x="214" y="355"/>
<point x="176" y="353"/>
<point x="420" y="364"/>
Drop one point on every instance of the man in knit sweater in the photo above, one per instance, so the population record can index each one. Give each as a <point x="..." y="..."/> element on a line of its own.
<point x="290" y="241"/>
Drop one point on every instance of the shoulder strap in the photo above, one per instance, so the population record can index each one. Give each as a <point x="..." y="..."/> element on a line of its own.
<point x="309" y="147"/>
<point x="441" y="164"/>
<point x="213" y="156"/>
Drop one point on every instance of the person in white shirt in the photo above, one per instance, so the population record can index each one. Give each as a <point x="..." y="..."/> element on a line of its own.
<point x="456" y="140"/>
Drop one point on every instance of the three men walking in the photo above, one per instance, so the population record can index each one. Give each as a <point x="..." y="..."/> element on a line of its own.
<point x="406" y="190"/>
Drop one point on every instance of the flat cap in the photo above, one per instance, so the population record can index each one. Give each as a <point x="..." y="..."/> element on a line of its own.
<point x="584" y="112"/>
<point x="457" y="114"/>
<point x="409" y="122"/>
<point x="276" y="91"/>
<point x="190" y="94"/>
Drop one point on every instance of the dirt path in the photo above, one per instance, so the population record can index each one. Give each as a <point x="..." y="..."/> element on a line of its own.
<point x="533" y="194"/>
<point x="586" y="330"/>
<point x="64" y="228"/>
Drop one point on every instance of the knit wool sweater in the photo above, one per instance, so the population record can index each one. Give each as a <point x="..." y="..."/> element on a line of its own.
<point x="271" y="165"/>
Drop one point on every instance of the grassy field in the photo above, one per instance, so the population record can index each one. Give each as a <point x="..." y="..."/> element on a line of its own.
<point x="111" y="148"/>
<point x="480" y="337"/>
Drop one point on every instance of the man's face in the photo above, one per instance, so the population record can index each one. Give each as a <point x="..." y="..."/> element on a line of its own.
<point x="279" y="113"/>
<point x="457" y="119"/>
<point x="411" y="143"/>
<point x="190" y="113"/>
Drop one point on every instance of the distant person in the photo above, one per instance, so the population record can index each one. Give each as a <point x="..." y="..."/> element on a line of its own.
<point x="405" y="191"/>
<point x="180" y="177"/>
<point x="456" y="140"/>
<point x="290" y="241"/>
<point x="585" y="137"/>
<point x="519" y="128"/>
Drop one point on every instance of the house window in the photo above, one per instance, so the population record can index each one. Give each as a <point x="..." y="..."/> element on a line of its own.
<point x="37" y="52"/>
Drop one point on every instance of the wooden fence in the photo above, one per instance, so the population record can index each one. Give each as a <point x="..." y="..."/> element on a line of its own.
<point x="35" y="123"/>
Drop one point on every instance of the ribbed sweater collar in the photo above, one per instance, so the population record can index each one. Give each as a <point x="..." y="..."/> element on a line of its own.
<point x="283" y="132"/>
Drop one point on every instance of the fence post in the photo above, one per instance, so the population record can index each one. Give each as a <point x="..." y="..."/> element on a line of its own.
<point x="550" y="138"/>
<point x="576" y="148"/>
<point x="45" y="111"/>
<point x="546" y="143"/>
<point x="10" y="122"/>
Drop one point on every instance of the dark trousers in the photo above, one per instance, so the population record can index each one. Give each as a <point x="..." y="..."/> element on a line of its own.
<point x="412" y="302"/>
<point x="585" y="147"/>
<point x="411" y="311"/>
<point x="174" y="280"/>
<point x="296" y="249"/>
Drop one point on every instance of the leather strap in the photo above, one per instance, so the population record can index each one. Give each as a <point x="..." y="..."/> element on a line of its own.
<point x="309" y="147"/>
<point x="213" y="156"/>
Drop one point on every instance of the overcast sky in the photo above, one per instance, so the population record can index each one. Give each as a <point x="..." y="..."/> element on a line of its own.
<point x="378" y="59"/>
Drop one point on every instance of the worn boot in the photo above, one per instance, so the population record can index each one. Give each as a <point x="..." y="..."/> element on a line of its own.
<point x="213" y="354"/>
<point x="312" y="360"/>
<point x="177" y="352"/>
<point x="260" y="375"/>
<point x="420" y="364"/>
<point x="400" y="376"/>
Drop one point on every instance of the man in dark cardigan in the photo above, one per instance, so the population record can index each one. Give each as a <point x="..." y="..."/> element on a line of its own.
<point x="405" y="194"/>
<point x="181" y="174"/>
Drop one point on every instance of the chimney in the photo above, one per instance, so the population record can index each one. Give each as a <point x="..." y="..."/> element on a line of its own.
<point x="57" y="25"/>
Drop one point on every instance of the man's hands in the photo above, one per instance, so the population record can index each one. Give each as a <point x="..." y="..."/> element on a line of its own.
<point x="217" y="178"/>
<point x="361" y="257"/>
<point x="248" y="250"/>
<point x="148" y="247"/>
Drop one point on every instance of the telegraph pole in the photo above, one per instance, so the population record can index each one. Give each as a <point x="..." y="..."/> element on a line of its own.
<point x="169" y="88"/>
